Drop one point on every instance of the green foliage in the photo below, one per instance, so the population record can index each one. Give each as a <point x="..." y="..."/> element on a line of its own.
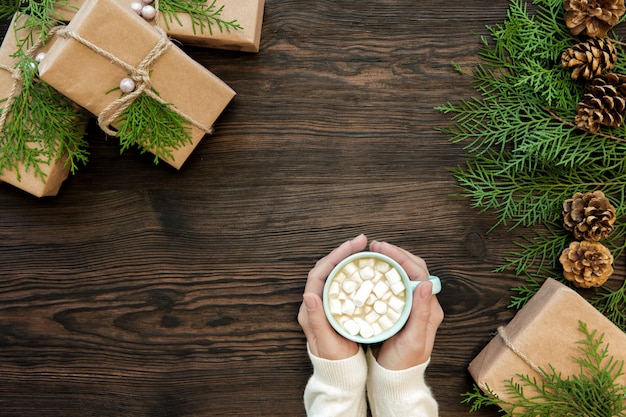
<point x="8" y="8"/>
<point x="613" y="305"/>
<point x="41" y="17"/>
<point x="594" y="392"/>
<point x="524" y="154"/>
<point x="41" y="127"/>
<point x="203" y="15"/>
<point x="152" y="126"/>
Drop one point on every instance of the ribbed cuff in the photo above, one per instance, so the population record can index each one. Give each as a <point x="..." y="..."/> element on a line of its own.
<point x="395" y="385"/>
<point x="345" y="374"/>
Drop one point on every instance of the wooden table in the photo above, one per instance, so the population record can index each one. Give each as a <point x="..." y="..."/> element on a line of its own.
<point x="141" y="290"/>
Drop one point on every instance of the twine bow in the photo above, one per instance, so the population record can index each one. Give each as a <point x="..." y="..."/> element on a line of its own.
<point x="140" y="75"/>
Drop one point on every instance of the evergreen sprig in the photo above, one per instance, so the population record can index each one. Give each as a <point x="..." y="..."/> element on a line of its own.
<point x="612" y="303"/>
<point x="525" y="156"/>
<point x="9" y="7"/>
<point x="203" y="15"/>
<point x="40" y="17"/>
<point x="41" y="127"/>
<point x="593" y="392"/>
<point x="152" y="126"/>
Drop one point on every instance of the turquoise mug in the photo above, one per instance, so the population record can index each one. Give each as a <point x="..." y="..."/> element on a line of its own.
<point x="349" y="305"/>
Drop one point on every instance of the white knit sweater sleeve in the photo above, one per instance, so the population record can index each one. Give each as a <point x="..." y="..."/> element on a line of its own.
<point x="337" y="387"/>
<point x="399" y="393"/>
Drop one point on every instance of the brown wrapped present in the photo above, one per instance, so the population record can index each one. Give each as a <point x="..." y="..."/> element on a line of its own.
<point x="104" y="43"/>
<point x="46" y="178"/>
<point x="544" y="333"/>
<point x="248" y="14"/>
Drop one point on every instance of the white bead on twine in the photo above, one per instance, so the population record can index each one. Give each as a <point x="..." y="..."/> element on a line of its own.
<point x="147" y="1"/>
<point x="40" y="56"/>
<point x="127" y="85"/>
<point x="148" y="12"/>
<point x="136" y="7"/>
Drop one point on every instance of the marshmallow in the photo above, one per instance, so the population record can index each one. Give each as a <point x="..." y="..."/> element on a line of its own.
<point x="377" y="329"/>
<point x="371" y="299"/>
<point x="393" y="276"/>
<point x="397" y="287"/>
<point x="385" y="323"/>
<point x="367" y="273"/>
<point x="335" y="307"/>
<point x="380" y="307"/>
<point x="356" y="277"/>
<point x="372" y="317"/>
<point x="350" y="268"/>
<point x="383" y="267"/>
<point x="364" y="262"/>
<point x="393" y="315"/>
<point x="352" y="327"/>
<point x="366" y="330"/>
<point x="362" y="293"/>
<point x="349" y="286"/>
<point x="396" y="303"/>
<point x="380" y="289"/>
<point x="334" y="288"/>
<point x="348" y="307"/>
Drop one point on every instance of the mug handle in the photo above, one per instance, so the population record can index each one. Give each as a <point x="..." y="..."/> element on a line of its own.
<point x="435" y="281"/>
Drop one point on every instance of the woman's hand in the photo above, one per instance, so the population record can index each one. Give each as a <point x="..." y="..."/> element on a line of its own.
<point x="323" y="341"/>
<point x="413" y="345"/>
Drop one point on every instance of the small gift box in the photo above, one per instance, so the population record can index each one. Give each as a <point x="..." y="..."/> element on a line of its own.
<point x="224" y="24"/>
<point x="45" y="172"/>
<point x="544" y="334"/>
<point x="246" y="37"/>
<point x="105" y="45"/>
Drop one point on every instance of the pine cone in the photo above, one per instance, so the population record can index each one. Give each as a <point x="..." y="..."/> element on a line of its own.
<point x="587" y="264"/>
<point x="589" y="216"/>
<point x="603" y="103"/>
<point x="593" y="18"/>
<point x="590" y="59"/>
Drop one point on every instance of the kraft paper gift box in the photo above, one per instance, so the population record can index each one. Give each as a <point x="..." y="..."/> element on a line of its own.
<point x="23" y="177"/>
<point x="85" y="74"/>
<point x="545" y="331"/>
<point x="247" y="13"/>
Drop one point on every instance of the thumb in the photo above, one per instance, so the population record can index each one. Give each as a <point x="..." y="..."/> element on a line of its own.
<point x="326" y="343"/>
<point x="317" y="321"/>
<point x="420" y="313"/>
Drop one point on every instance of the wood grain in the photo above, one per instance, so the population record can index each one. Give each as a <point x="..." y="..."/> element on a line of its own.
<point x="145" y="291"/>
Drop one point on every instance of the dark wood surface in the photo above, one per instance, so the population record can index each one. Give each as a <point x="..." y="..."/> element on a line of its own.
<point x="145" y="291"/>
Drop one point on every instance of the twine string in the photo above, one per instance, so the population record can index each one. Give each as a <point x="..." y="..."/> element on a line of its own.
<point x="15" y="87"/>
<point x="17" y="75"/>
<point x="140" y="75"/>
<point x="505" y="338"/>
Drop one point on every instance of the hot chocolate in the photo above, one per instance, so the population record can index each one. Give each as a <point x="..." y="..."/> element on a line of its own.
<point x="367" y="297"/>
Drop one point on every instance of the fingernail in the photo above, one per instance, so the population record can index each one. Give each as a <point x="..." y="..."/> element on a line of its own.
<point x="425" y="290"/>
<point x="309" y="302"/>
